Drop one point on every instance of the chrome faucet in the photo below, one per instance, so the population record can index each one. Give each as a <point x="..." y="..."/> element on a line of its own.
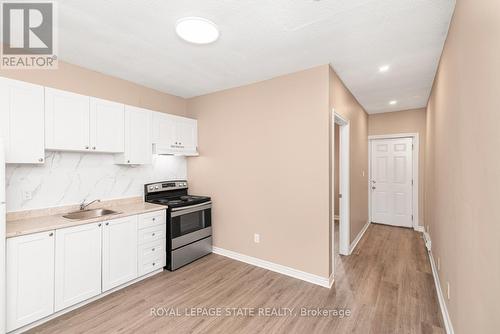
<point x="83" y="206"/>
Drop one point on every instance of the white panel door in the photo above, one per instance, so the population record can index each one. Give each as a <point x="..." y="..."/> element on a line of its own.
<point x="107" y="126"/>
<point x="391" y="181"/>
<point x="22" y="121"/>
<point x="119" y="252"/>
<point x="30" y="278"/>
<point x="77" y="264"/>
<point x="67" y="126"/>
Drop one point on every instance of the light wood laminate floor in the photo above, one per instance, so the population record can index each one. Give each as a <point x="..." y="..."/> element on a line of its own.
<point x="386" y="283"/>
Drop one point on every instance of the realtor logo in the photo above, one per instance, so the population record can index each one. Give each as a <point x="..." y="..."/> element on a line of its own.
<point x="28" y="35"/>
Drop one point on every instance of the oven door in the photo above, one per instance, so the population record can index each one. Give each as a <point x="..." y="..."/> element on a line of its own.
<point x="190" y="224"/>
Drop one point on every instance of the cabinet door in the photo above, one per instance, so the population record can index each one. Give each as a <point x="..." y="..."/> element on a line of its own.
<point x="22" y="121"/>
<point x="138" y="145"/>
<point x="30" y="278"/>
<point x="166" y="132"/>
<point x="107" y="126"/>
<point x="77" y="264"/>
<point x="187" y="134"/>
<point x="119" y="247"/>
<point x="66" y="121"/>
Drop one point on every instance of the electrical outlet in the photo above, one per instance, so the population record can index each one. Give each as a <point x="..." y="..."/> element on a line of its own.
<point x="27" y="195"/>
<point x="448" y="290"/>
<point x="439" y="263"/>
<point x="256" y="238"/>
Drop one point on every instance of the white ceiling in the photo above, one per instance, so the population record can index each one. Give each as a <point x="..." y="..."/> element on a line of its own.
<point x="136" y="41"/>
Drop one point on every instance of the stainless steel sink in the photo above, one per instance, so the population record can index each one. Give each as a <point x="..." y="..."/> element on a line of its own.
<point x="89" y="214"/>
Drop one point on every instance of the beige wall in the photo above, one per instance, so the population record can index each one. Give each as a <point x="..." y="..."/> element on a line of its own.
<point x="348" y="107"/>
<point x="407" y="121"/>
<point x="83" y="81"/>
<point x="463" y="167"/>
<point x="265" y="162"/>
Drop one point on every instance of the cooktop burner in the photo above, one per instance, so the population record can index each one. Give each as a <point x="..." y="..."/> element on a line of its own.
<point x="172" y="193"/>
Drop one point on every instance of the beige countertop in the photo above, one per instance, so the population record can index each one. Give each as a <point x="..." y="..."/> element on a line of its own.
<point x="33" y="221"/>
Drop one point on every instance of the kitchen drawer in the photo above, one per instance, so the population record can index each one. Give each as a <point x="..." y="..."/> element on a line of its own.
<point x="152" y="263"/>
<point x="150" y="234"/>
<point x="151" y="219"/>
<point x="151" y="250"/>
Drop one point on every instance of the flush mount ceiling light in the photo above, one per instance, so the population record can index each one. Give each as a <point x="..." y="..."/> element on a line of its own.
<point x="393" y="102"/>
<point x="384" y="68"/>
<point x="197" y="30"/>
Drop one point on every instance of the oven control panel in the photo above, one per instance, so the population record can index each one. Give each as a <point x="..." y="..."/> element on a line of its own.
<point x="164" y="186"/>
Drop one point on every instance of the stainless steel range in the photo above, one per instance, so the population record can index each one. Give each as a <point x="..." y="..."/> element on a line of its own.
<point x="189" y="221"/>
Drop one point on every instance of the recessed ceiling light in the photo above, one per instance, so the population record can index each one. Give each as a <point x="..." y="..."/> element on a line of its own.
<point x="384" y="68"/>
<point x="393" y="102"/>
<point x="197" y="30"/>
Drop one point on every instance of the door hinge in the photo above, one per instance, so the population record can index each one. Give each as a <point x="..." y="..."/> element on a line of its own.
<point x="412" y="182"/>
<point x="411" y="217"/>
<point x="340" y="195"/>
<point x="412" y="147"/>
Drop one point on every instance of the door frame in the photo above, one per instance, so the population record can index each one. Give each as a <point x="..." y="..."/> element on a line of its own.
<point x="415" y="172"/>
<point x="344" y="186"/>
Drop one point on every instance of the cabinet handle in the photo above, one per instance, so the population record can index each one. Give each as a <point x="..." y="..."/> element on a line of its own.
<point x="40" y="160"/>
<point x="107" y="224"/>
<point x="86" y="147"/>
<point x="51" y="234"/>
<point x="93" y="148"/>
<point x="99" y="224"/>
<point x="128" y="161"/>
<point x="153" y="250"/>
<point x="154" y="264"/>
<point x="153" y="234"/>
<point x="154" y="219"/>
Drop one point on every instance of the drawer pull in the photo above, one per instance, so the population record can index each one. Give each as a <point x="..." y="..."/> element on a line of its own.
<point x="154" y="219"/>
<point x="154" y="264"/>
<point x="153" y="234"/>
<point x="153" y="250"/>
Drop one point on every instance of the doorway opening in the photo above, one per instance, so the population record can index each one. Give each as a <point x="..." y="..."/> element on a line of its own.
<point x="393" y="175"/>
<point x="340" y="225"/>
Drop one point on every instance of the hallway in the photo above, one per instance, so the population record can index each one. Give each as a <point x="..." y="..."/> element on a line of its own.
<point x="386" y="283"/>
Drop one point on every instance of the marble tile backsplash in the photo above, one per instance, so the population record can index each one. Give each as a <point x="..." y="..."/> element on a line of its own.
<point x="69" y="178"/>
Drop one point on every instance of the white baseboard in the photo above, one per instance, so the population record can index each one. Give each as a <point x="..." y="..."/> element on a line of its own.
<point x="302" y="275"/>
<point x="331" y="280"/>
<point x="358" y="237"/>
<point x="442" y="304"/>
<point x="419" y="228"/>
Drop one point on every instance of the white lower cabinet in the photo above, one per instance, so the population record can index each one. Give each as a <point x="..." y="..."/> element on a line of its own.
<point x="30" y="278"/>
<point x="50" y="271"/>
<point x="119" y="252"/>
<point x="152" y="230"/>
<point x="78" y="264"/>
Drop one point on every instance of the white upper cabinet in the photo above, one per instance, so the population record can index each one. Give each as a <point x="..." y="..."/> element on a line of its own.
<point x="77" y="264"/>
<point x="30" y="278"/>
<point x="67" y="117"/>
<point x="107" y="126"/>
<point x="138" y="145"/>
<point x="75" y="122"/>
<point x="175" y="134"/>
<point x="22" y="121"/>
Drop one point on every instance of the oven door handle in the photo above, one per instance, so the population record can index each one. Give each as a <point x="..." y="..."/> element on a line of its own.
<point x="192" y="208"/>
